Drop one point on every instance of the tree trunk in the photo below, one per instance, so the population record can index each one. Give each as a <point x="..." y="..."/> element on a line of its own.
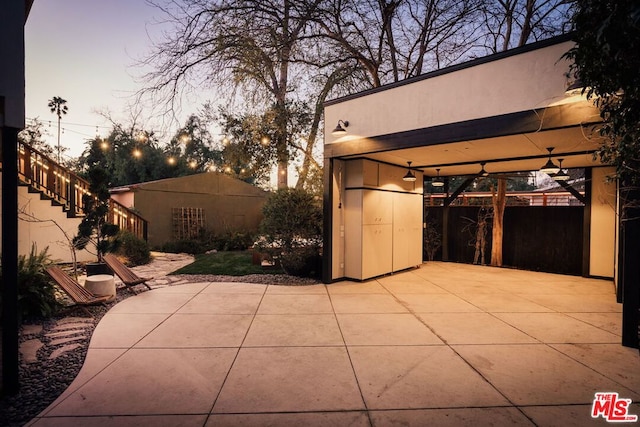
<point x="499" y="201"/>
<point x="283" y="175"/>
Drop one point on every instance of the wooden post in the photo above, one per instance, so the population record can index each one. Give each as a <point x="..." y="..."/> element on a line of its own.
<point x="499" y="201"/>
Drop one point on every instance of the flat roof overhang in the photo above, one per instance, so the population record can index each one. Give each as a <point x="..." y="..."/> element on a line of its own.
<point x="506" y="143"/>
<point x="503" y="110"/>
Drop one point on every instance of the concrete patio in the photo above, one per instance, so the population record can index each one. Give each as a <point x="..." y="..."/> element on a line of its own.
<point x="444" y="345"/>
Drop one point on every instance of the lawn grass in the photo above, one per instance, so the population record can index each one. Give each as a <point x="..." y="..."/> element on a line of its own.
<point x="228" y="263"/>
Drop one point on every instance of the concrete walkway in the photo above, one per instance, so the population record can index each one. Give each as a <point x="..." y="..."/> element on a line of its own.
<point x="444" y="345"/>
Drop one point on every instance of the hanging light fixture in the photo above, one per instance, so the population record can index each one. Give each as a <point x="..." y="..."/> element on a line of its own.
<point x="409" y="176"/>
<point x="549" y="168"/>
<point x="561" y="175"/>
<point x="483" y="171"/>
<point x="339" y="130"/>
<point x="437" y="181"/>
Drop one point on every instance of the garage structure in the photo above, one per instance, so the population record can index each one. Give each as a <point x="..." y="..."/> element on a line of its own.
<point x="502" y="113"/>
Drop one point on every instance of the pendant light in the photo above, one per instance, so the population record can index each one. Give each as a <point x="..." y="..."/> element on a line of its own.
<point x="409" y="177"/>
<point x="549" y="168"/>
<point x="561" y="175"/>
<point x="437" y="181"/>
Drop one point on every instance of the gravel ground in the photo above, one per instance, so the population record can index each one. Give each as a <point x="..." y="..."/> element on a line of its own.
<point x="41" y="382"/>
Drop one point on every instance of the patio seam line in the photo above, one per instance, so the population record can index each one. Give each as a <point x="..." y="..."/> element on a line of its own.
<point x="353" y="369"/>
<point x="126" y="350"/>
<point x="504" y="321"/>
<point x="565" y="315"/>
<point x="413" y="313"/>
<point x="235" y="357"/>
<point x="463" y="359"/>
<point x="553" y="311"/>
<point x="551" y="345"/>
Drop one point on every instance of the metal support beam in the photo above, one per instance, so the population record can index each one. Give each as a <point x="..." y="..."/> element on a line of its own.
<point x="466" y="183"/>
<point x="575" y="193"/>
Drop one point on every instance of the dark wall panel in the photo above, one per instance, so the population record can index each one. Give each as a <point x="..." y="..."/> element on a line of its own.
<point x="544" y="238"/>
<point x="535" y="237"/>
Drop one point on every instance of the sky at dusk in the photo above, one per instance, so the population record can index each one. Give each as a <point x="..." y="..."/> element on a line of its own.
<point x="83" y="51"/>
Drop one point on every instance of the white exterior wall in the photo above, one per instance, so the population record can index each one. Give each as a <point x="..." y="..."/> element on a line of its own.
<point x="126" y="199"/>
<point x="522" y="82"/>
<point x="45" y="232"/>
<point x="603" y="223"/>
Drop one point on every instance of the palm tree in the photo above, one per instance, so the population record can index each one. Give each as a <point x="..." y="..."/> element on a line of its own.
<point x="57" y="106"/>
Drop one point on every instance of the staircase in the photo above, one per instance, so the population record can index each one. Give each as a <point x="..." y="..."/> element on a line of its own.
<point x="64" y="188"/>
<point x="50" y="207"/>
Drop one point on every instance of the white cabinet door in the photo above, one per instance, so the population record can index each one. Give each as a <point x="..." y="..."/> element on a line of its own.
<point x="376" y="250"/>
<point x="407" y="231"/>
<point x="377" y="207"/>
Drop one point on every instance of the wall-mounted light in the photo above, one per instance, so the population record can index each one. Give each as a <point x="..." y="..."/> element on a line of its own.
<point x="561" y="175"/>
<point x="339" y="130"/>
<point x="574" y="88"/>
<point x="437" y="181"/>
<point x="410" y="177"/>
<point x="549" y="168"/>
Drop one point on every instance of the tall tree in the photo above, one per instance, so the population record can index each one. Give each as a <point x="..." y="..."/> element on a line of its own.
<point x="392" y="40"/>
<point x="244" y="45"/>
<point x="248" y="151"/>
<point x="33" y="135"/>
<point x="511" y="23"/>
<point x="192" y="148"/>
<point x="607" y="59"/>
<point x="58" y="106"/>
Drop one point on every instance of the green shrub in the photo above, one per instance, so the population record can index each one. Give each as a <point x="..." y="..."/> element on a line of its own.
<point x="302" y="262"/>
<point x="136" y="250"/>
<point x="208" y="240"/>
<point x="234" y="241"/>
<point x="292" y="230"/>
<point x="36" y="294"/>
<point x="192" y="247"/>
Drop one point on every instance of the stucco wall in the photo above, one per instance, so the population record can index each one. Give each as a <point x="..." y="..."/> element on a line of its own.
<point x="45" y="225"/>
<point x="522" y="82"/>
<point x="228" y="204"/>
<point x="603" y="223"/>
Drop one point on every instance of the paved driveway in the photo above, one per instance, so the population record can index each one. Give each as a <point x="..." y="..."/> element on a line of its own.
<point x="446" y="344"/>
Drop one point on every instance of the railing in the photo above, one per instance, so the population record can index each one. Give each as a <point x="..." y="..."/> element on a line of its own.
<point x="522" y="198"/>
<point x="66" y="189"/>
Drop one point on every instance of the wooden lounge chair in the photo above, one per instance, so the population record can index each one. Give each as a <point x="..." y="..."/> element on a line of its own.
<point x="128" y="277"/>
<point x="75" y="290"/>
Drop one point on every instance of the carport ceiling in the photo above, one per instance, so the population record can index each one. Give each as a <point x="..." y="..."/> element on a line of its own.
<point x="513" y="153"/>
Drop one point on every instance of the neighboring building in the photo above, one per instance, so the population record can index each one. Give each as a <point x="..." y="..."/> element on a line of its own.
<point x="178" y="208"/>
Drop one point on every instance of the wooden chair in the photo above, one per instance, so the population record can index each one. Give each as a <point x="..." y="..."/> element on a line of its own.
<point x="128" y="277"/>
<point x="80" y="296"/>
